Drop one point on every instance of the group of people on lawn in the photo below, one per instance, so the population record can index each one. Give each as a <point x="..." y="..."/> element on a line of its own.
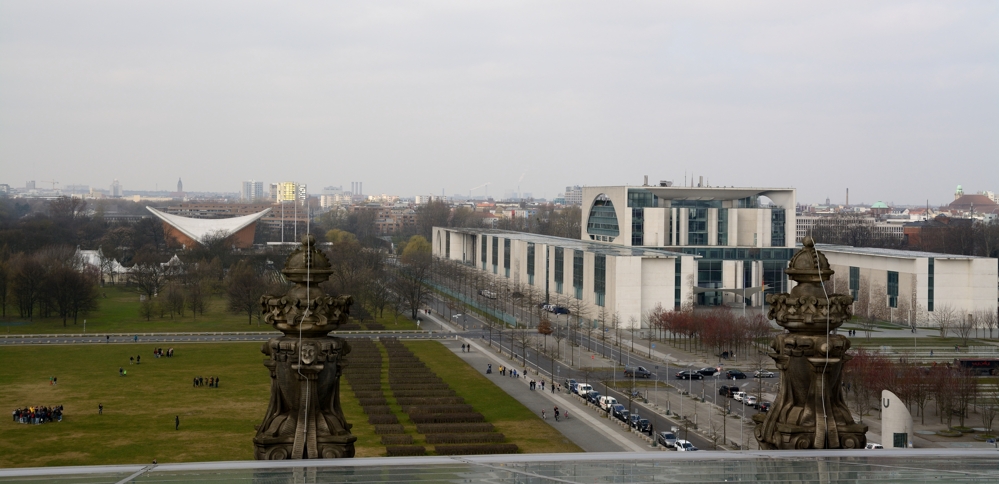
<point x="212" y="382"/>
<point x="37" y="414"/>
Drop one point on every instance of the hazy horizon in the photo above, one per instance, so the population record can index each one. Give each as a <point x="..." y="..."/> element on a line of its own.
<point x="897" y="101"/>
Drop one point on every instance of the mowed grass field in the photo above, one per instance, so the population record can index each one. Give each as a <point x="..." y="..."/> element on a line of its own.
<point x="215" y="423"/>
<point x="118" y="312"/>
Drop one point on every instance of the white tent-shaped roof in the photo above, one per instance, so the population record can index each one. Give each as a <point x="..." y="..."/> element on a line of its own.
<point x="198" y="228"/>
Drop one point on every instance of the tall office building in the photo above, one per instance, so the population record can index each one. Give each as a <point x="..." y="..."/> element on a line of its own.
<point x="116" y="191"/>
<point x="252" y="190"/>
<point x="290" y="191"/>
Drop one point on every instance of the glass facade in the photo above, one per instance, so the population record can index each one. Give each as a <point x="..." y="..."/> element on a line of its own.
<point x="602" y="223"/>
<point x="577" y="273"/>
<point x="774" y="276"/>
<point x="559" y="269"/>
<point x="709" y="275"/>
<point x="855" y="282"/>
<point x="677" y="277"/>
<point x="892" y="289"/>
<point x="929" y="285"/>
<point x="778" y="224"/>
<point x="637" y="226"/>
<point x="495" y="253"/>
<point x="697" y="226"/>
<point x="530" y="263"/>
<point x="447" y="244"/>
<point x="599" y="278"/>
<point x="722" y="226"/>
<point x="506" y="257"/>
<point x="483" y="252"/>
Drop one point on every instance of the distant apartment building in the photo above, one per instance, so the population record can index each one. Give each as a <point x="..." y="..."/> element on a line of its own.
<point x="425" y="199"/>
<point x="888" y="228"/>
<point x="252" y="191"/>
<point x="289" y="192"/>
<point x="116" y="191"/>
<point x="573" y="195"/>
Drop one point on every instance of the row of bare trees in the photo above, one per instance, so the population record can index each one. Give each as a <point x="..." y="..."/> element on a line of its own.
<point x="52" y="282"/>
<point x="953" y="391"/>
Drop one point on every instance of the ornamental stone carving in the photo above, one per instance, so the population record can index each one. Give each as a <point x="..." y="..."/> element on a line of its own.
<point x="304" y="419"/>
<point x="810" y="411"/>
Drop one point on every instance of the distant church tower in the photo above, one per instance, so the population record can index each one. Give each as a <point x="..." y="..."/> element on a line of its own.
<point x="959" y="192"/>
<point x="180" y="186"/>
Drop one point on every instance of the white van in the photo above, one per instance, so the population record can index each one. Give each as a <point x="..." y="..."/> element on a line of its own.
<point x="583" y="388"/>
<point x="738" y="396"/>
<point x="606" y="402"/>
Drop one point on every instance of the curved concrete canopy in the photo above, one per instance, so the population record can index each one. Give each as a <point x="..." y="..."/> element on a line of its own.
<point x="198" y="228"/>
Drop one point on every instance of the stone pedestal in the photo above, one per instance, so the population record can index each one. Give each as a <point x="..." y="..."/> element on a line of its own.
<point x="304" y="419"/>
<point x="809" y="411"/>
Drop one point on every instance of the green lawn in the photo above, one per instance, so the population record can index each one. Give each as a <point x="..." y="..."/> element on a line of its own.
<point x="216" y="423"/>
<point x="119" y="313"/>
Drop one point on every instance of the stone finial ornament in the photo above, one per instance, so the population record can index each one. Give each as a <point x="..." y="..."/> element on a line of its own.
<point x="304" y="419"/>
<point x="810" y="411"/>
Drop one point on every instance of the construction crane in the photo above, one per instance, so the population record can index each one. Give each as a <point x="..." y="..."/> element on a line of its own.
<point x="53" y="182"/>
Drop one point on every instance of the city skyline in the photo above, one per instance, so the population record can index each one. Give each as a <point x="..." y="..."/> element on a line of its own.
<point x="894" y="100"/>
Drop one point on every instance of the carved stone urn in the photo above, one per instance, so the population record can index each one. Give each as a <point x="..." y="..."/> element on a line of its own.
<point x="810" y="411"/>
<point x="304" y="419"/>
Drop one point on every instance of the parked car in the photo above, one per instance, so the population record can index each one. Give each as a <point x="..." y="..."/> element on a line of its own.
<point x="593" y="397"/>
<point x="644" y="426"/>
<point x="727" y="391"/>
<point x="749" y="400"/>
<point x="689" y="375"/>
<point x="873" y="446"/>
<point x="619" y="412"/>
<point x="570" y="385"/>
<point x="738" y="396"/>
<point x="764" y="407"/>
<point x="685" y="446"/>
<point x="666" y="439"/>
<point x="583" y="388"/>
<point x="708" y="371"/>
<point x="638" y="372"/>
<point x="552" y="308"/>
<point x="763" y="374"/>
<point x="606" y="402"/>
<point x="734" y="374"/>
<point x="633" y="420"/>
<point x="487" y="294"/>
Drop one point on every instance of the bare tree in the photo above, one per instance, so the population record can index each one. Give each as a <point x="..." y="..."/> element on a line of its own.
<point x="989" y="405"/>
<point x="243" y="290"/>
<point x="964" y="325"/>
<point x="988" y="319"/>
<point x="966" y="391"/>
<point x="944" y="316"/>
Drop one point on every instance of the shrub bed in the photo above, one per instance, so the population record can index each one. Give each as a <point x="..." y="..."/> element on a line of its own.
<point x="446" y="418"/>
<point x="404" y="450"/>
<point x="385" y="429"/>
<point x="367" y="402"/>
<point x="424" y="409"/>
<point x="383" y="419"/>
<point x="407" y="401"/>
<point x="448" y="428"/>
<point x="423" y="393"/>
<point x="474" y="449"/>
<point x="399" y="439"/>
<point x="468" y="438"/>
<point x="377" y="410"/>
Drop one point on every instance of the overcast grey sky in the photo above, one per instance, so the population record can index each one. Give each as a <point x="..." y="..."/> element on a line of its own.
<point x="899" y="101"/>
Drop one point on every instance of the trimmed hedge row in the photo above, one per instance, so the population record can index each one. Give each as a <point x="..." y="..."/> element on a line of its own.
<point x="423" y="393"/>
<point x="385" y="429"/>
<point x="468" y="438"/>
<point x="404" y="450"/>
<point x="368" y="393"/>
<point x="408" y="401"/>
<point x="383" y="419"/>
<point x="474" y="449"/>
<point x="400" y="439"/>
<point x="433" y="409"/>
<point x="450" y="428"/>
<point x="445" y="418"/>
<point x="367" y="402"/>
<point x="426" y="386"/>
<point x="378" y="410"/>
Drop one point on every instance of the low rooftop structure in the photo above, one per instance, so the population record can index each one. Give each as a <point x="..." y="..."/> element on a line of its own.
<point x="187" y="231"/>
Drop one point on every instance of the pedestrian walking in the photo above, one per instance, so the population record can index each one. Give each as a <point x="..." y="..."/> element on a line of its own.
<point x="100" y="409"/>
<point x="543" y="417"/>
<point x="121" y="371"/>
<point x="107" y="338"/>
<point x="135" y="338"/>
<point x="138" y="359"/>
<point x="176" y="423"/>
<point x="131" y="360"/>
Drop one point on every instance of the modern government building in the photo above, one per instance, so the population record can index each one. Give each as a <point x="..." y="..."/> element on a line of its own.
<point x="644" y="246"/>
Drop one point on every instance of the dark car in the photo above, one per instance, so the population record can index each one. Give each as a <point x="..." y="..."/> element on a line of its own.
<point x="619" y="412"/>
<point x="689" y="375"/>
<point x="644" y="426"/>
<point x="708" y="371"/>
<point x="638" y="372"/>
<point x="735" y="374"/>
<point x="593" y="397"/>
<point x="765" y="407"/>
<point x="560" y="310"/>
<point x="570" y="385"/>
<point x="633" y="420"/>
<point x="727" y="391"/>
